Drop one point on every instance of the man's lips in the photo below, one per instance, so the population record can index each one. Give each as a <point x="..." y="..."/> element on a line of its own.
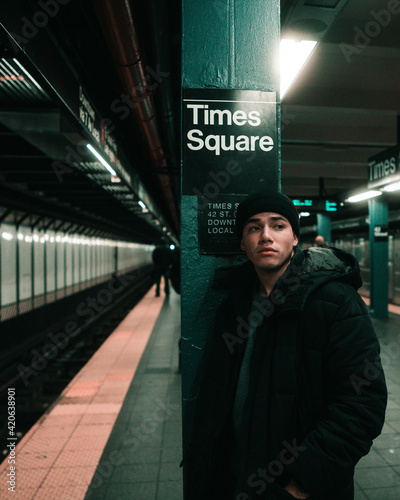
<point x="266" y="250"/>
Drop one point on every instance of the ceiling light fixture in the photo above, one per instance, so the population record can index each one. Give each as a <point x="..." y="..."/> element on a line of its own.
<point x="294" y="55"/>
<point x="145" y="210"/>
<point x="364" y="196"/>
<point x="392" y="187"/>
<point x="101" y="159"/>
<point x="30" y="77"/>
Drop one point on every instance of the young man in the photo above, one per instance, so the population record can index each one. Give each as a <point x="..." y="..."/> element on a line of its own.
<point x="292" y="391"/>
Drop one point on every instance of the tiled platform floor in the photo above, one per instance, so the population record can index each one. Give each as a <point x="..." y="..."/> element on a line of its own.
<point x="142" y="456"/>
<point x="378" y="474"/>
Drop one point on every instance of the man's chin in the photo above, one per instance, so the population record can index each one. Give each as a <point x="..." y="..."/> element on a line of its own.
<point x="272" y="267"/>
<point x="269" y="268"/>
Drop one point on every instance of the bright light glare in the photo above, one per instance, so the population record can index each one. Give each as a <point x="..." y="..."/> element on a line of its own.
<point x="294" y="55"/>
<point x="305" y="214"/>
<point x="172" y="247"/>
<point x="101" y="159"/>
<point x="392" y="187"/>
<point x="28" y="74"/>
<point x="364" y="196"/>
<point x="7" y="236"/>
<point x="142" y="204"/>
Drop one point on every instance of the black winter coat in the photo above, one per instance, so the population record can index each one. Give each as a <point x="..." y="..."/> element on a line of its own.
<point x="317" y="393"/>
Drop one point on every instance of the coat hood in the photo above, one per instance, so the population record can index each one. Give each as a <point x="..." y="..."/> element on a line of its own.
<point x="307" y="270"/>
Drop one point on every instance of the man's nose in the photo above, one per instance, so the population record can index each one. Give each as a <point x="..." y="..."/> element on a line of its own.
<point x="266" y="234"/>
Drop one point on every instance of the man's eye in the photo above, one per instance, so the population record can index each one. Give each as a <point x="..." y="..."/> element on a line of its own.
<point x="253" y="228"/>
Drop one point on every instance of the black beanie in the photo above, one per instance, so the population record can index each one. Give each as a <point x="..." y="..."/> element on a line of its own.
<point x="266" y="201"/>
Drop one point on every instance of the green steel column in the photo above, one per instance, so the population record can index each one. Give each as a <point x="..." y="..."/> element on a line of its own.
<point x="379" y="257"/>
<point x="227" y="44"/>
<point x="324" y="225"/>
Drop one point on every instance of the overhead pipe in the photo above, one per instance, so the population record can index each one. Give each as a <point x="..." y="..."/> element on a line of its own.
<point x="160" y="16"/>
<point x="117" y="22"/>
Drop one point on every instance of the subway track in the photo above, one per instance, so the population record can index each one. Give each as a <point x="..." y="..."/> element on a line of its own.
<point x="39" y="374"/>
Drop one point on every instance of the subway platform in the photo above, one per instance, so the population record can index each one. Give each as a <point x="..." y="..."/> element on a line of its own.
<point x="115" y="432"/>
<point x="377" y="475"/>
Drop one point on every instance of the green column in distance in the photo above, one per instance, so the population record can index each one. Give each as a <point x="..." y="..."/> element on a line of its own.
<point x="378" y="258"/>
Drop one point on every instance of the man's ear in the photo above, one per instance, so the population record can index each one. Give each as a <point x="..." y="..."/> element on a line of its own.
<point x="295" y="240"/>
<point x="242" y="246"/>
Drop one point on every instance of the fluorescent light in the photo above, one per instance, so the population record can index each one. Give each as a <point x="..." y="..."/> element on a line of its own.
<point x="172" y="247"/>
<point x="7" y="236"/>
<point x="392" y="187"/>
<point x="27" y="74"/>
<point x="294" y="55"/>
<point x="145" y="210"/>
<point x="101" y="159"/>
<point x="305" y="214"/>
<point x="364" y="196"/>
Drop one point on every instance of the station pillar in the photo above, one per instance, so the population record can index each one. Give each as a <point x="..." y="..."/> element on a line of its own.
<point x="379" y="258"/>
<point x="230" y="70"/>
<point x="324" y="225"/>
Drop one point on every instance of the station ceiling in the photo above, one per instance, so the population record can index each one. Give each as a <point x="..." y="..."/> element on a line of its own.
<point x="342" y="109"/>
<point x="344" y="106"/>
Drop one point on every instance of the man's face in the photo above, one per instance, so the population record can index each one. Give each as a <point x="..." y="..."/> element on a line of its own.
<point x="268" y="241"/>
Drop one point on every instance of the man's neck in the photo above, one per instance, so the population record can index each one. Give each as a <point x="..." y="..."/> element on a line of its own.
<point x="267" y="281"/>
<point x="269" y="278"/>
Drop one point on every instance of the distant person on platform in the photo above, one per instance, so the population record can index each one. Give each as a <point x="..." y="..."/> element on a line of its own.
<point x="162" y="259"/>
<point x="292" y="389"/>
<point x="320" y="242"/>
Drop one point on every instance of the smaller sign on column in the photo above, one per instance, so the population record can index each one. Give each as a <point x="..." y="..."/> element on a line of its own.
<point x="217" y="229"/>
<point x="381" y="233"/>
